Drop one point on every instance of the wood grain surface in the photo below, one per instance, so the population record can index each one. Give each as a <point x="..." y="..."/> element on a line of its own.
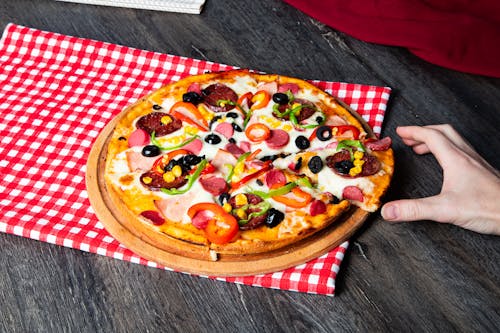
<point x="421" y="276"/>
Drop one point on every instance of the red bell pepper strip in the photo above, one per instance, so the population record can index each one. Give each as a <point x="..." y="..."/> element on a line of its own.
<point x="189" y="113"/>
<point x="222" y="227"/>
<point x="245" y="98"/>
<point x="260" y="99"/>
<point x="236" y="185"/>
<point x="257" y="132"/>
<point x="302" y="198"/>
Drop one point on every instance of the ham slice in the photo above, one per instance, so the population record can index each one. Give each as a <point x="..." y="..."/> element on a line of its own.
<point x="221" y="159"/>
<point x="270" y="87"/>
<point x="137" y="161"/>
<point x="174" y="208"/>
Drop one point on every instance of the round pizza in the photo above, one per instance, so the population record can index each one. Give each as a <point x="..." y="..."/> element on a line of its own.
<point x="240" y="163"/>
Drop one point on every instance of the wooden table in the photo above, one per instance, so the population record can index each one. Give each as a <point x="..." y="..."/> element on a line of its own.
<point x="408" y="277"/>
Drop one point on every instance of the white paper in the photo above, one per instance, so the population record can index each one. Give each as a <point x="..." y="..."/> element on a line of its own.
<point x="178" y="6"/>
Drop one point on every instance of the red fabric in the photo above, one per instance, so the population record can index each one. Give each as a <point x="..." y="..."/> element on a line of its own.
<point x="463" y="34"/>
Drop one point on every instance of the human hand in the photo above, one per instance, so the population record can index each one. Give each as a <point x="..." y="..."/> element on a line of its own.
<point x="471" y="187"/>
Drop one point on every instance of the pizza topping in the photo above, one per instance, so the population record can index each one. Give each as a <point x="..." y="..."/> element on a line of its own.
<point x="299" y="199"/>
<point x="190" y="180"/>
<point x="275" y="178"/>
<point x="221" y="227"/>
<point x="315" y="164"/>
<point x="138" y="137"/>
<point x="190" y="114"/>
<point x="214" y="185"/>
<point x="153" y="216"/>
<point x="248" y="209"/>
<point x="274" y="217"/>
<point x="280" y="98"/>
<point x="325" y="132"/>
<point x="289" y="87"/>
<point x="157" y="122"/>
<point x="270" y="87"/>
<point x="302" y="142"/>
<point x="155" y="142"/>
<point x="277" y="139"/>
<point x="213" y="139"/>
<point x="234" y="149"/>
<point x="266" y="166"/>
<point x="194" y="145"/>
<point x="150" y="151"/>
<point x="194" y="87"/>
<point x="379" y="145"/>
<point x="352" y="193"/>
<point x="353" y="164"/>
<point x="155" y="181"/>
<point x="219" y="92"/>
<point x="317" y="207"/>
<point x="245" y="99"/>
<point x="226" y="129"/>
<point x="192" y="97"/>
<point x="257" y="132"/>
<point x="260" y="99"/>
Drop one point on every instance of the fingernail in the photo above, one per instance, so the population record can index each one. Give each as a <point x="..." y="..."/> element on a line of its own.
<point x="390" y="212"/>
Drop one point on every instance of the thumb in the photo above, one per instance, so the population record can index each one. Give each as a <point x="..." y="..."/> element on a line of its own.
<point x="412" y="210"/>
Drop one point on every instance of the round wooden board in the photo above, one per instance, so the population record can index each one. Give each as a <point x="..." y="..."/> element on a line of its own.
<point x="113" y="216"/>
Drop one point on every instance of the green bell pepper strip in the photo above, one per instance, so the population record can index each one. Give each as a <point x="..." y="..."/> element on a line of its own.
<point x="182" y="144"/>
<point x="191" y="179"/>
<point x="279" y="191"/>
<point x="231" y="171"/>
<point x="349" y="144"/>
<point x="227" y="101"/>
<point x="264" y="207"/>
<point x="304" y="181"/>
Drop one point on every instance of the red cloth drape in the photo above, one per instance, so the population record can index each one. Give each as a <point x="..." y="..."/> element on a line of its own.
<point x="463" y="34"/>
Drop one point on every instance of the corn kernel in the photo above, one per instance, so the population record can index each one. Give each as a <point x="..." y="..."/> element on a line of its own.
<point x="355" y="171"/>
<point x="240" y="199"/>
<point x="147" y="180"/>
<point x="227" y="207"/>
<point x="177" y="171"/>
<point x="168" y="177"/>
<point x="358" y="155"/>
<point x="241" y="214"/>
<point x="287" y="127"/>
<point x="358" y="162"/>
<point x="239" y="168"/>
<point x="191" y="130"/>
<point x="165" y="120"/>
<point x="208" y="115"/>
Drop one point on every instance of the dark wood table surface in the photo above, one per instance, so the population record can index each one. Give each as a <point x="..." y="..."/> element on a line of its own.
<point x="421" y="276"/>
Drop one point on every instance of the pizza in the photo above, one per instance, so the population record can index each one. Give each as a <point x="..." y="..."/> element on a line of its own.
<point x="241" y="163"/>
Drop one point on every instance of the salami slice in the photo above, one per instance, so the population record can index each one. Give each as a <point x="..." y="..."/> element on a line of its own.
<point x="219" y="92"/>
<point x="159" y="122"/>
<point x="214" y="185"/>
<point x="278" y="139"/>
<point x="353" y="193"/>
<point x="154" y="181"/>
<point x="378" y="145"/>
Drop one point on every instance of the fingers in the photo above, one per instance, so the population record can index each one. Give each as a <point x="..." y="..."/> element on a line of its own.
<point x="454" y="137"/>
<point x="424" y="139"/>
<point x="413" y="210"/>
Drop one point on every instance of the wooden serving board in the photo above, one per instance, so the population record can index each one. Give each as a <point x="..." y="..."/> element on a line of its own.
<point x="163" y="250"/>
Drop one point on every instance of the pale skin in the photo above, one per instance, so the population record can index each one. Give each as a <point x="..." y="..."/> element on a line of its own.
<point x="471" y="187"/>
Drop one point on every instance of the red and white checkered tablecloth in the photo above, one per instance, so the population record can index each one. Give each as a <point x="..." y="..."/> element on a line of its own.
<point x="57" y="93"/>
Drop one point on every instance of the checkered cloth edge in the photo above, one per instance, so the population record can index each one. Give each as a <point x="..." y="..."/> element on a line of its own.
<point x="57" y="93"/>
